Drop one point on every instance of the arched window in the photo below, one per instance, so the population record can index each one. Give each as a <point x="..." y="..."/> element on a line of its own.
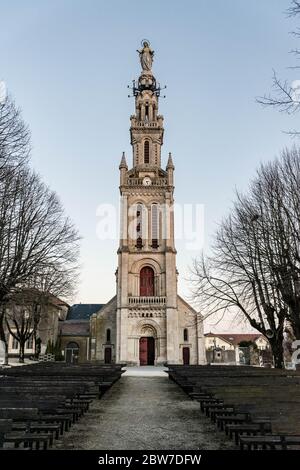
<point x="72" y="352"/>
<point x="154" y="225"/>
<point x="72" y="345"/>
<point x="108" y="335"/>
<point x="146" y="282"/>
<point x="185" y="334"/>
<point x="146" y="151"/>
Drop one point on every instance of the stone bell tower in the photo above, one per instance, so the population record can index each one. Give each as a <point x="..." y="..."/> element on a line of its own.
<point x="148" y="325"/>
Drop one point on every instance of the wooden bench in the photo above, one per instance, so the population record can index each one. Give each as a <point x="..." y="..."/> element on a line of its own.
<point x="246" y="400"/>
<point x="272" y="442"/>
<point x="251" y="429"/>
<point x="7" y="435"/>
<point x="43" y="400"/>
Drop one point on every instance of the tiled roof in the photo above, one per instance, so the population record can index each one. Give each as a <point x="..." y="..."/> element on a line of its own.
<point x="75" y="328"/>
<point x="83" y="311"/>
<point x="235" y="338"/>
<point x="58" y="302"/>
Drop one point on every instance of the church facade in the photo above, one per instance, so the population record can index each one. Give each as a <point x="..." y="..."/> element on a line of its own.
<point x="147" y="322"/>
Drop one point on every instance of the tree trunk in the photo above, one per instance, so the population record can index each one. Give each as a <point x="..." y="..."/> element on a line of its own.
<point x="35" y="354"/>
<point x="6" y="354"/>
<point x="277" y="351"/>
<point x="3" y="336"/>
<point x="21" y="352"/>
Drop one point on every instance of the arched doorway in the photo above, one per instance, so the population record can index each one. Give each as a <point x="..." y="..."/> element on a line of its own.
<point x="146" y="282"/>
<point x="72" y="353"/>
<point x="147" y="351"/>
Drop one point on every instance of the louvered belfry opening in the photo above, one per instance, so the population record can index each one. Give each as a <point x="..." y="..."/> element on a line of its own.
<point x="139" y="227"/>
<point x="154" y="225"/>
<point x="146" y="151"/>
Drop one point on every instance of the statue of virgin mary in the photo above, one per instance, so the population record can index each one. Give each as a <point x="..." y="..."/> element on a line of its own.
<point x="146" y="57"/>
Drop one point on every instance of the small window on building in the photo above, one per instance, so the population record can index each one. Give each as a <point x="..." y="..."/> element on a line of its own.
<point x="185" y="335"/>
<point x="29" y="343"/>
<point x="108" y="335"/>
<point x="14" y="343"/>
<point x="146" y="151"/>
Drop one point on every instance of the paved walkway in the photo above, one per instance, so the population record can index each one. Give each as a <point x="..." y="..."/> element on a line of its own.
<point x="144" y="410"/>
<point x="145" y="371"/>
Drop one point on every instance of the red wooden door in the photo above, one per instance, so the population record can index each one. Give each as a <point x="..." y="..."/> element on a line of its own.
<point x="107" y="355"/>
<point x="186" y="356"/>
<point x="147" y="351"/>
<point x="150" y="351"/>
<point x="147" y="282"/>
<point x="143" y="351"/>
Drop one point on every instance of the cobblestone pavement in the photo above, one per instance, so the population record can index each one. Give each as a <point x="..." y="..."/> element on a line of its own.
<point x="144" y="413"/>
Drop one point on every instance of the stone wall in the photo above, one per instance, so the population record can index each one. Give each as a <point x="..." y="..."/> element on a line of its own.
<point x="187" y="320"/>
<point x="83" y="343"/>
<point x="100" y="323"/>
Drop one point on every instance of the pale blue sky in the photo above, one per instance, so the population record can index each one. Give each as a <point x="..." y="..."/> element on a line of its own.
<point x="67" y="63"/>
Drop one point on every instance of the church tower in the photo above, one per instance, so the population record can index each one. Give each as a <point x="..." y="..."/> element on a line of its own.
<point x="147" y="322"/>
<point x="151" y="326"/>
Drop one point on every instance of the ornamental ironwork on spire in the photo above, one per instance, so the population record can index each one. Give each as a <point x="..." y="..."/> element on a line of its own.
<point x="146" y="80"/>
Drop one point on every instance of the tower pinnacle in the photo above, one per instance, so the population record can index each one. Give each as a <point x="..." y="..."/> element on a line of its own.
<point x="170" y="163"/>
<point x="123" y="163"/>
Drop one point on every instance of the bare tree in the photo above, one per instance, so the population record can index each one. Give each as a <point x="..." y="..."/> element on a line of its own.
<point x="285" y="97"/>
<point x="45" y="287"/>
<point x="14" y="153"/>
<point x="280" y="188"/>
<point x="37" y="238"/>
<point x="38" y="243"/>
<point x="255" y="267"/>
<point x="20" y="313"/>
<point x="234" y="280"/>
<point x="25" y="309"/>
<point x="14" y="136"/>
<point x="294" y="8"/>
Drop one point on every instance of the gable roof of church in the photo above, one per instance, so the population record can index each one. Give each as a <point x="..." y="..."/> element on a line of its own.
<point x="188" y="305"/>
<point x="83" y="311"/>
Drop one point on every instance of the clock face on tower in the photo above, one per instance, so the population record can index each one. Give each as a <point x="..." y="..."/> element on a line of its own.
<point x="147" y="181"/>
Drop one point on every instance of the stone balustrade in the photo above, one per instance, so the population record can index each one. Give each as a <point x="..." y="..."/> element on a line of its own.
<point x="139" y="182"/>
<point x="146" y="300"/>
